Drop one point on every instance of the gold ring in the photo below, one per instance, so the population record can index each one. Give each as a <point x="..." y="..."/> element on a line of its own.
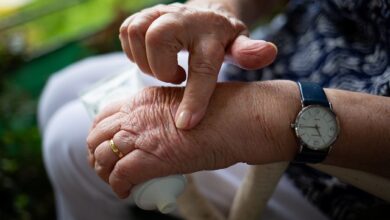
<point x="115" y="149"/>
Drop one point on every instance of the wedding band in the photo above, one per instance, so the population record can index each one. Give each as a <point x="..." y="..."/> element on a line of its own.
<point x="115" y="149"/>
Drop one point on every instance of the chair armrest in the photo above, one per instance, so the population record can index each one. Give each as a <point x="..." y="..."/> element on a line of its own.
<point x="256" y="189"/>
<point x="376" y="185"/>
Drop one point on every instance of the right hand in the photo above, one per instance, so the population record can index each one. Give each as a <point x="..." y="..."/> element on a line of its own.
<point x="152" y="38"/>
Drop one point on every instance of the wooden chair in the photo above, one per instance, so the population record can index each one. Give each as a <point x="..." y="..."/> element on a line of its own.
<point x="258" y="186"/>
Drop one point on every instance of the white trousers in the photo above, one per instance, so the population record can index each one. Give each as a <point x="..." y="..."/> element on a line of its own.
<point x="80" y="194"/>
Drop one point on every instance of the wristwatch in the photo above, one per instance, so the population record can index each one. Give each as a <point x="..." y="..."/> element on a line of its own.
<point x="316" y="125"/>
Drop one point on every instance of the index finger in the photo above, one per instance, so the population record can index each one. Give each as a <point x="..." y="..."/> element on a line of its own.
<point x="204" y="64"/>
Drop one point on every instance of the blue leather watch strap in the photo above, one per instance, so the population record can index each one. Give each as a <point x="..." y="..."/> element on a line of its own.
<point x="312" y="94"/>
<point x="310" y="156"/>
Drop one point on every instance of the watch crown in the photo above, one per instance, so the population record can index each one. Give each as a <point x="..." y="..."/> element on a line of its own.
<point x="292" y="125"/>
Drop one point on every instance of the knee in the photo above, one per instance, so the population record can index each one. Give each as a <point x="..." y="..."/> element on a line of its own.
<point x="64" y="143"/>
<point x="66" y="85"/>
<point x="55" y="94"/>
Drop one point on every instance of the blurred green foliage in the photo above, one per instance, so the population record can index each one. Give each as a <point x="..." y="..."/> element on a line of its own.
<point x="40" y="39"/>
<point x="24" y="188"/>
<point x="45" y="25"/>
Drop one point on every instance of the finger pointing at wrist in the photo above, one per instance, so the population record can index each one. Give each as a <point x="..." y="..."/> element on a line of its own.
<point x="204" y="64"/>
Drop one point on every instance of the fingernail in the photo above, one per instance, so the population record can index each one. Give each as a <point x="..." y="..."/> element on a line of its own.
<point x="183" y="119"/>
<point x="274" y="46"/>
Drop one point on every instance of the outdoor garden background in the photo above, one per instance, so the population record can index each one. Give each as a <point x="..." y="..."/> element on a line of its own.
<point x="37" y="38"/>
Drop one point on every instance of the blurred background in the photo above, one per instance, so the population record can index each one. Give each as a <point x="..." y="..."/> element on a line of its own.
<point x="37" y="38"/>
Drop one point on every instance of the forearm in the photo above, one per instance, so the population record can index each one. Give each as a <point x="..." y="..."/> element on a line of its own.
<point x="364" y="140"/>
<point x="249" y="11"/>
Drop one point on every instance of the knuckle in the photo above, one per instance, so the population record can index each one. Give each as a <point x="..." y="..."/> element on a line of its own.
<point x="154" y="36"/>
<point x="178" y="6"/>
<point x="150" y="14"/>
<point x="164" y="30"/>
<point x="221" y="19"/>
<point x="159" y="6"/>
<point x="135" y="30"/>
<point x="204" y="68"/>
<point x="90" y="144"/>
<point x="123" y="31"/>
<point x="238" y="25"/>
<point x="124" y="137"/>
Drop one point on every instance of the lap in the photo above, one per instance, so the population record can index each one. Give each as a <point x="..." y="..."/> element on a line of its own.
<point x="65" y="124"/>
<point x="67" y="84"/>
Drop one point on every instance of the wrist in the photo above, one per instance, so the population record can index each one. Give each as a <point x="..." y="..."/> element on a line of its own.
<point x="275" y="106"/>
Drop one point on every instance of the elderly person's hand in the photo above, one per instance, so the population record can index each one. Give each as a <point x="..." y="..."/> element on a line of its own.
<point x="234" y="129"/>
<point x="245" y="122"/>
<point x="152" y="38"/>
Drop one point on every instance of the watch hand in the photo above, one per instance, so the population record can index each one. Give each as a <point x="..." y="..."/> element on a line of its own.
<point x="306" y="126"/>
<point x="318" y="130"/>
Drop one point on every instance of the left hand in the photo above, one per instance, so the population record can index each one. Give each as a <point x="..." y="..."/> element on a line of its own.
<point x="236" y="128"/>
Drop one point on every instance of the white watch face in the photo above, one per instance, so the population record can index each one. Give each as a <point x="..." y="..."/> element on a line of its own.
<point x="317" y="127"/>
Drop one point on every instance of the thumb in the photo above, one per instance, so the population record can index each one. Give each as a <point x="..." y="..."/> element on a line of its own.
<point x="251" y="54"/>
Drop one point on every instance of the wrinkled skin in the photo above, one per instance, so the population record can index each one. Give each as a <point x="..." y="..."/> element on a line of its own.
<point x="143" y="129"/>
<point x="152" y="38"/>
<point x="152" y="130"/>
